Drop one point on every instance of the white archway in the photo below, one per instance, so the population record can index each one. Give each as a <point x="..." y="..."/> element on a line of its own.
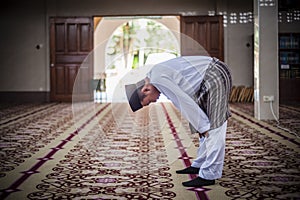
<point x="104" y="33"/>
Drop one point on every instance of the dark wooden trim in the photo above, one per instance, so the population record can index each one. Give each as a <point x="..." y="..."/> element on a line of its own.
<point x="207" y="31"/>
<point x="24" y="97"/>
<point x="289" y="90"/>
<point x="67" y="54"/>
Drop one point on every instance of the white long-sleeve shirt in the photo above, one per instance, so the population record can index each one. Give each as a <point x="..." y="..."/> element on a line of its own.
<point x="179" y="79"/>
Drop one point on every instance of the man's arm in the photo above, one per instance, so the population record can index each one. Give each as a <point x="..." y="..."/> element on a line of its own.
<point x="186" y="105"/>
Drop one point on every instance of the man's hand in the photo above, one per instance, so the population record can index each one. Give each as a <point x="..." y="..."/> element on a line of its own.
<point x="205" y="134"/>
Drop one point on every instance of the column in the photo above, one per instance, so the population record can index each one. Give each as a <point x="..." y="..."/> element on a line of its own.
<point x="266" y="78"/>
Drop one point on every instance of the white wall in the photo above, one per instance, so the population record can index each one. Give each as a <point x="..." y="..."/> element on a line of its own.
<point x="103" y="33"/>
<point x="23" y="27"/>
<point x="24" y="24"/>
<point x="106" y="28"/>
<point x="237" y="38"/>
<point x="239" y="55"/>
<point x="132" y="7"/>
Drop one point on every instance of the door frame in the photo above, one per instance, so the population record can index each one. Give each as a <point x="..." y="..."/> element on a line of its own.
<point x="69" y="62"/>
<point x="90" y="97"/>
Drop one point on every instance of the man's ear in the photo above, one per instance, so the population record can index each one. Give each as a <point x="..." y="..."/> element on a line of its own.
<point x="145" y="88"/>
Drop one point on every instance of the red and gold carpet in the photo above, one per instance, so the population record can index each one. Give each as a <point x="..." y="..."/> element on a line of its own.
<point x="98" y="151"/>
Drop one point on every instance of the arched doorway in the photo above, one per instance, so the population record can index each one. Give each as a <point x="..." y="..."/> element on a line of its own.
<point x="133" y="43"/>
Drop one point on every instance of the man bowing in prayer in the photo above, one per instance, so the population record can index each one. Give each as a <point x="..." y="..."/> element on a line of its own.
<point x="199" y="87"/>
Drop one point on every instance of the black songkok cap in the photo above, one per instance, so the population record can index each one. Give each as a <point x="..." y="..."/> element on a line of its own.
<point x="134" y="96"/>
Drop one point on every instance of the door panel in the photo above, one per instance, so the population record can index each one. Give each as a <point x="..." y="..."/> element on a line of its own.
<point x="59" y="37"/>
<point x="71" y="41"/>
<point x="60" y="79"/>
<point x="201" y="38"/>
<point x="71" y="76"/>
<point x="84" y="37"/>
<point x="71" y="37"/>
<point x="206" y="31"/>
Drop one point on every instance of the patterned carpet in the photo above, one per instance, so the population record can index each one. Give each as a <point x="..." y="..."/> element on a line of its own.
<point x="289" y="115"/>
<point x="103" y="151"/>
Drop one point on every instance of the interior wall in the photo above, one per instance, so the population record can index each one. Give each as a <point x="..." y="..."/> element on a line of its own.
<point x="288" y="27"/>
<point x="106" y="28"/>
<point x="132" y="7"/>
<point x="24" y="25"/>
<point x="24" y="52"/>
<point x="240" y="53"/>
<point x="239" y="42"/>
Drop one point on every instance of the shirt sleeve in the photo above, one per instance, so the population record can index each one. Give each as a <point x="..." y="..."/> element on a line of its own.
<point x="186" y="105"/>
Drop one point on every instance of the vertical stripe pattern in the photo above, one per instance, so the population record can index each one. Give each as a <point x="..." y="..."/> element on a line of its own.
<point x="213" y="95"/>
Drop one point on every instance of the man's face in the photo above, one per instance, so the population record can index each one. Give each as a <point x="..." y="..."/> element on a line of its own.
<point x="150" y="93"/>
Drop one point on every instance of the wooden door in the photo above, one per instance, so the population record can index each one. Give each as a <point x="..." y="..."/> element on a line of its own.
<point x="71" y="41"/>
<point x="207" y="31"/>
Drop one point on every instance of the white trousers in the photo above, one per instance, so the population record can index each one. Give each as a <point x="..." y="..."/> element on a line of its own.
<point x="211" y="152"/>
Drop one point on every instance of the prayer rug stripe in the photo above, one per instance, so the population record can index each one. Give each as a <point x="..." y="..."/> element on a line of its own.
<point x="186" y="160"/>
<point x="32" y="170"/>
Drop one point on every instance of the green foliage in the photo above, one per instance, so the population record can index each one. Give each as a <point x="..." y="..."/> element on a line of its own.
<point x="141" y="33"/>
